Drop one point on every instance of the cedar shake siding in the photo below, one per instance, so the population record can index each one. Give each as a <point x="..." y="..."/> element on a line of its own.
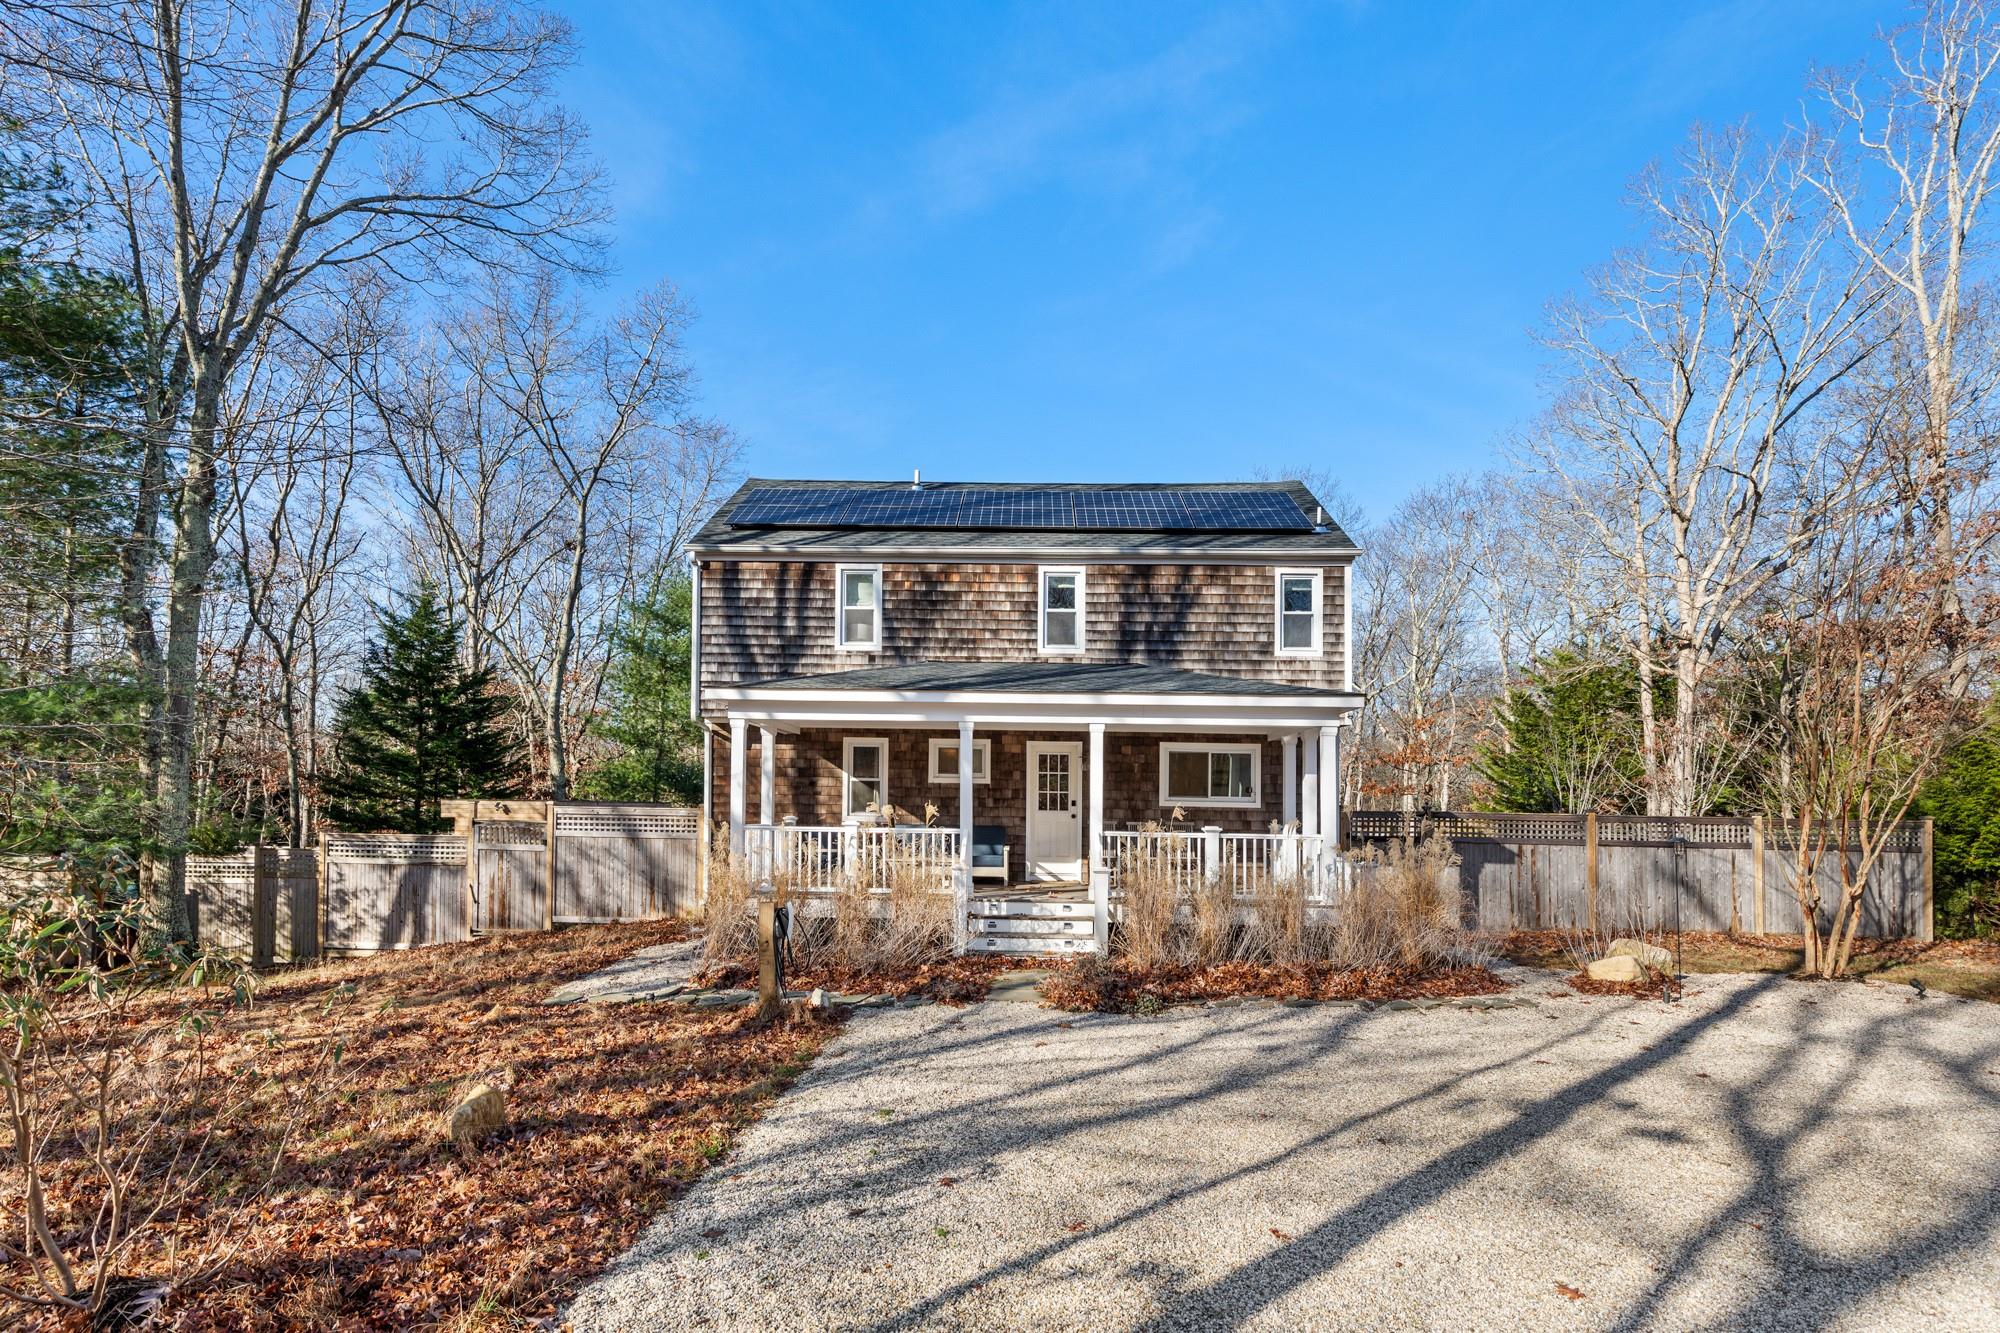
<point x="763" y="620"/>
<point x="807" y="777"/>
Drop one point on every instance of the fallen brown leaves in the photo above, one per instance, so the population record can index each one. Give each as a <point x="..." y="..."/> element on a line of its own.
<point x="1118" y="988"/>
<point x="373" y="1220"/>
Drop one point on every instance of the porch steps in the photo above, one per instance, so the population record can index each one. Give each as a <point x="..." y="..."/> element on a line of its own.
<point x="1030" y="926"/>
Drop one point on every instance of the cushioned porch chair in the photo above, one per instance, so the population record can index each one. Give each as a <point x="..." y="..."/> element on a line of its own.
<point x="989" y="852"/>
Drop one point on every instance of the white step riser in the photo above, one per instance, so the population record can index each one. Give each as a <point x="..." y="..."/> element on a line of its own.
<point x="1024" y="907"/>
<point x="1029" y="926"/>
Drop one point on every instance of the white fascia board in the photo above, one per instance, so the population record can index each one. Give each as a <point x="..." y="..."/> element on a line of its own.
<point x="1033" y="554"/>
<point x="1152" y="712"/>
<point x="962" y="699"/>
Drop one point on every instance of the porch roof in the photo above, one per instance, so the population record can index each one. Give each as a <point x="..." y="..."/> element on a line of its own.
<point x="1044" y="678"/>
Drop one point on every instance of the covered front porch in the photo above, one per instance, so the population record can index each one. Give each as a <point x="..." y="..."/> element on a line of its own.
<point x="1030" y="805"/>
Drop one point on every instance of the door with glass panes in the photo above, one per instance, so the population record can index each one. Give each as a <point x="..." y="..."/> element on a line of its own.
<point x="1055" y="819"/>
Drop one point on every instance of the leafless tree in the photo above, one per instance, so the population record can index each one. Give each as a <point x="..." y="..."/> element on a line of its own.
<point x="1685" y="439"/>
<point x="554" y="466"/>
<point x="239" y="157"/>
<point x="1907" y="167"/>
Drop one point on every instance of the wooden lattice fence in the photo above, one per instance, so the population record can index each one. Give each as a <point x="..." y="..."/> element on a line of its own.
<point x="1629" y="873"/>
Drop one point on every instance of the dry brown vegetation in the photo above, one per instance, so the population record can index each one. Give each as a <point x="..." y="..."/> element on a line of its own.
<point x="1401" y="912"/>
<point x="371" y="1218"/>
<point x="1969" y="968"/>
<point x="1116" y="987"/>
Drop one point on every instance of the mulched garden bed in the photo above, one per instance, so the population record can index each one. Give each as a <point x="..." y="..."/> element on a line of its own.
<point x="952" y="981"/>
<point x="374" y="1220"/>
<point x="1089" y="985"/>
<point x="1654" y="987"/>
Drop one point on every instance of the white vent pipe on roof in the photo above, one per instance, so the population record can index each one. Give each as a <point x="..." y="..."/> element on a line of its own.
<point x="916" y="479"/>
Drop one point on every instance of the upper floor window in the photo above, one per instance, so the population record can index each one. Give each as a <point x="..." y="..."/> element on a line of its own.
<point x="859" y="618"/>
<point x="1061" y="629"/>
<point x="1299" y="625"/>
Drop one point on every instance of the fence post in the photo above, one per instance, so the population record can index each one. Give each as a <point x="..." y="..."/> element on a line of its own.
<point x="1211" y="852"/>
<point x="1927" y="928"/>
<point x="1590" y="867"/>
<point x="549" y="894"/>
<point x="1757" y="873"/>
<point x="319" y="901"/>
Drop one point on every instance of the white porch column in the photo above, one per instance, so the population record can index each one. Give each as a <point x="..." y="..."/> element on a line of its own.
<point x="1329" y="790"/>
<point x="739" y="743"/>
<point x="767" y="775"/>
<point x="1309" y="786"/>
<point x="1289" y="767"/>
<point x="962" y="883"/>
<point x="1100" y="874"/>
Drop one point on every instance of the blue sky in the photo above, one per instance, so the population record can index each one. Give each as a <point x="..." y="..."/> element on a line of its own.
<point x="1150" y="241"/>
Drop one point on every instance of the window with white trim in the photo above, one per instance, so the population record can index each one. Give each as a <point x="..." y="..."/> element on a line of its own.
<point x="864" y="775"/>
<point x="1298" y="611"/>
<point x="858" y="619"/>
<point x="944" y="760"/>
<point x="1209" y="774"/>
<point x="1061" y="611"/>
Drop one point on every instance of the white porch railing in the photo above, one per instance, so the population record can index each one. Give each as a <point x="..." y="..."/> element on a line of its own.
<point x="1250" y="863"/>
<point x="809" y="858"/>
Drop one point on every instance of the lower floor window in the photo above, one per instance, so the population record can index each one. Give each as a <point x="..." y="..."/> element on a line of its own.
<point x="944" y="761"/>
<point x="1208" y="775"/>
<point x="864" y="776"/>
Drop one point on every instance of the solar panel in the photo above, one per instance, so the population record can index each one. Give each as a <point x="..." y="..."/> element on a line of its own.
<point x="1160" y="509"/>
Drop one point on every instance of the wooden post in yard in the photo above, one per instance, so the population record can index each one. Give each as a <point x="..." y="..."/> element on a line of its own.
<point x="769" y="998"/>
<point x="549" y="890"/>
<point x="1590" y="867"/>
<point x="1757" y="873"/>
<point x="1927" y="928"/>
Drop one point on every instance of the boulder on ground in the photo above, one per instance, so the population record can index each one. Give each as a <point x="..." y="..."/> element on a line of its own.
<point x="481" y="1110"/>
<point x="1617" y="967"/>
<point x="1652" y="955"/>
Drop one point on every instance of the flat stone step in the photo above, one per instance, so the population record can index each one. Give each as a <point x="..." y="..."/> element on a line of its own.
<point x="1031" y="925"/>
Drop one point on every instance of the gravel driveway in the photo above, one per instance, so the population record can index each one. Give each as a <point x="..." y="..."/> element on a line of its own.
<point x="1768" y="1154"/>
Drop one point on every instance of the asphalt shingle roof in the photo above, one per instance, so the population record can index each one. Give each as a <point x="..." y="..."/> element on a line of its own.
<point x="1038" y="678"/>
<point x="720" y="535"/>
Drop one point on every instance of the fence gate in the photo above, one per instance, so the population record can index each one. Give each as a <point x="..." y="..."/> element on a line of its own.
<point x="625" y="862"/>
<point x="510" y="881"/>
<point x="391" y="891"/>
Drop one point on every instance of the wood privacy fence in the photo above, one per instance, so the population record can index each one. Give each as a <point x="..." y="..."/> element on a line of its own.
<point x="361" y="893"/>
<point x="1629" y="873"/>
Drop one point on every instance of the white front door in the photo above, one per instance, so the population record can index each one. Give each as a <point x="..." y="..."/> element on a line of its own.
<point x="1055" y="824"/>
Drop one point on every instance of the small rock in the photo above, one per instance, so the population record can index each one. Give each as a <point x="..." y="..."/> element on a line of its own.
<point x="1652" y="955"/>
<point x="1617" y="967"/>
<point x="481" y="1110"/>
<point x="1296" y="1003"/>
<point x="1229" y="1002"/>
<point x="1429" y="1004"/>
<point x="1399" y="1005"/>
<point x="817" y="999"/>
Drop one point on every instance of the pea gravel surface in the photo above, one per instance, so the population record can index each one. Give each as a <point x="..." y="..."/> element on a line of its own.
<point x="1767" y="1154"/>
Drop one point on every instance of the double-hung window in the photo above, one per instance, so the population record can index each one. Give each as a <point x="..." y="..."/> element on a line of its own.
<point x="858" y="617"/>
<point x="864" y="775"/>
<point x="944" y="760"/>
<point x="1208" y="775"/>
<point x="1061" y="611"/>
<point x="1298" y="614"/>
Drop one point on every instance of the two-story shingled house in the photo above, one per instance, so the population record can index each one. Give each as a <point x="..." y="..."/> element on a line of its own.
<point x="1015" y="678"/>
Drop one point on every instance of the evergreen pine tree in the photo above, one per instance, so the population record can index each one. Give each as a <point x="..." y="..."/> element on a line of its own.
<point x="1569" y="738"/>
<point x="1963" y="799"/>
<point x="660" y="744"/>
<point x="419" y="729"/>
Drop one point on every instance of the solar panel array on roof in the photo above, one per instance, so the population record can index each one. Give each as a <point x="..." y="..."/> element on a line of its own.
<point x="1176" y="509"/>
